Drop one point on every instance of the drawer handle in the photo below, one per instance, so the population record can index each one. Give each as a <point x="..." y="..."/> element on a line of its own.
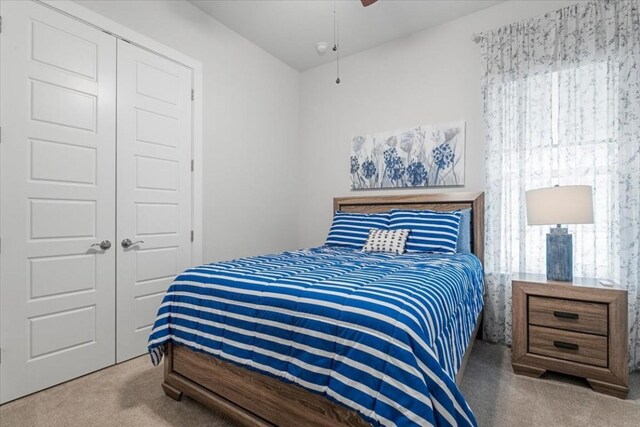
<point x="565" y="345"/>
<point x="565" y="315"/>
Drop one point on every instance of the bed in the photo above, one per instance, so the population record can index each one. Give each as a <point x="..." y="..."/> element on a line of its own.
<point x="256" y="394"/>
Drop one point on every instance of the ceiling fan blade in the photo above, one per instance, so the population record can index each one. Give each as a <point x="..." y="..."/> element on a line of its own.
<point x="366" y="3"/>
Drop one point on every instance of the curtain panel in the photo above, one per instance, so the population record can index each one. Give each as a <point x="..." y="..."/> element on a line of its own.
<point x="562" y="106"/>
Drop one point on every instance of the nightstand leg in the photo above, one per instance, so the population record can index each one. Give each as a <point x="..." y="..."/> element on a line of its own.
<point x="610" y="389"/>
<point x="529" y="371"/>
<point x="172" y="392"/>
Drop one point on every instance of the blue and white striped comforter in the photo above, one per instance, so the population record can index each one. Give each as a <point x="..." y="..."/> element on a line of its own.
<point x="381" y="334"/>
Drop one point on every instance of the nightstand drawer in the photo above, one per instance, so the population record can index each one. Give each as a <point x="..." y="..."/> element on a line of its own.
<point x="567" y="345"/>
<point x="567" y="314"/>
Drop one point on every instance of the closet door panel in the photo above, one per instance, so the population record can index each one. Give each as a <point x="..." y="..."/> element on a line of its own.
<point x="58" y="199"/>
<point x="154" y="188"/>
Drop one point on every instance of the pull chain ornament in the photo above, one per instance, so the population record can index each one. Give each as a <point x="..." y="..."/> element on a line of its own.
<point x="336" y="42"/>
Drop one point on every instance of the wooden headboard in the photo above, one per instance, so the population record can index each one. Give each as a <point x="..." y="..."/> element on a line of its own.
<point x="433" y="201"/>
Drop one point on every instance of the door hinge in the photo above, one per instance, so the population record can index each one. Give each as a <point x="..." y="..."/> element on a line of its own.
<point x="192" y="235"/>
<point x="192" y="95"/>
<point x="191" y="165"/>
<point x="0" y="24"/>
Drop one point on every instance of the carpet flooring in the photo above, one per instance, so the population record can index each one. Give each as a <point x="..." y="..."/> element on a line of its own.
<point x="129" y="394"/>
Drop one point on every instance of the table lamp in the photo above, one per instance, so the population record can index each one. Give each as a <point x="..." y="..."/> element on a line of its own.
<point x="570" y="204"/>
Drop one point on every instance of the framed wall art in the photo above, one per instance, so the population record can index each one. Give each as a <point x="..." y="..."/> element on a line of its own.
<point x="423" y="156"/>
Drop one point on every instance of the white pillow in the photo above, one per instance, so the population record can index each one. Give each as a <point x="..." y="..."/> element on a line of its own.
<point x="386" y="241"/>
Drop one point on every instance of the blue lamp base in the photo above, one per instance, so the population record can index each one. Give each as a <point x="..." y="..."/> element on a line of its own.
<point x="559" y="255"/>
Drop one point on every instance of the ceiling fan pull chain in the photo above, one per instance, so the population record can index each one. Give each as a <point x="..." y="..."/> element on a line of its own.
<point x="336" y="41"/>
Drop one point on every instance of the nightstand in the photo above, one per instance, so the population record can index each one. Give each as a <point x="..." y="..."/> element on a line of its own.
<point x="577" y="328"/>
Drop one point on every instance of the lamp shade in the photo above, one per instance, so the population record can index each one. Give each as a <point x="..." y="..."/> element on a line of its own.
<point x="570" y="204"/>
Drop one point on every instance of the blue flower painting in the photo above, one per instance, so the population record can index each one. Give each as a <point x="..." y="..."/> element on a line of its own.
<point x="424" y="156"/>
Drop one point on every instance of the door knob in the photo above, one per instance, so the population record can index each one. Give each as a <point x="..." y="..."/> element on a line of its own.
<point x="104" y="245"/>
<point x="127" y="243"/>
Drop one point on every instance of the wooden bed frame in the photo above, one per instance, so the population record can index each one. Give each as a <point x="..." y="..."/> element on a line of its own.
<point x="252" y="399"/>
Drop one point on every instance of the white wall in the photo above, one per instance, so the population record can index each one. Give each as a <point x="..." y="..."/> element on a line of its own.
<point x="251" y="109"/>
<point x="277" y="142"/>
<point x="430" y="77"/>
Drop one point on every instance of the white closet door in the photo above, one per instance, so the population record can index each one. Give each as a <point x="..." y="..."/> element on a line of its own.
<point x="154" y="188"/>
<point x="58" y="199"/>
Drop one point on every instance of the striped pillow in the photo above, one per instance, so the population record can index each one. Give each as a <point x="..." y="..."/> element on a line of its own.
<point x="352" y="230"/>
<point x="430" y="231"/>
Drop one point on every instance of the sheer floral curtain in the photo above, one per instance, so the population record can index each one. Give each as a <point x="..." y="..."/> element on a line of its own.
<point x="562" y="106"/>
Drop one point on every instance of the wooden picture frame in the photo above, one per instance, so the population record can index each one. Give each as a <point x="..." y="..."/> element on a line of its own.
<point x="250" y="398"/>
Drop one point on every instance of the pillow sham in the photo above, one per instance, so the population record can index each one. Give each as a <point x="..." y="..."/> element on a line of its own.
<point x="352" y="229"/>
<point x="393" y="241"/>
<point x="431" y="231"/>
<point x="464" y="234"/>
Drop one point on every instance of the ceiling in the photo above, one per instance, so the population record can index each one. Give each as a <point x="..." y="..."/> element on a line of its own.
<point x="290" y="29"/>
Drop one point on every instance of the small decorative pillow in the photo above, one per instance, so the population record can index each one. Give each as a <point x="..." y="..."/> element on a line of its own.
<point x="352" y="229"/>
<point x="386" y="241"/>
